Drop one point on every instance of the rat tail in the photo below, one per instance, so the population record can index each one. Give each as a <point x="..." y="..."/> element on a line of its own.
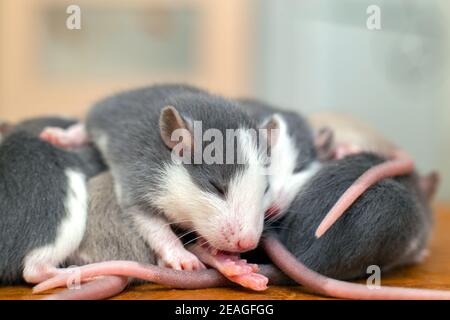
<point x="401" y="164"/>
<point x="173" y="278"/>
<point x="99" y="288"/>
<point x="323" y="285"/>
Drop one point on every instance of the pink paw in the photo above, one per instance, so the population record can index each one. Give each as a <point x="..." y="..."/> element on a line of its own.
<point x="56" y="136"/>
<point x="73" y="136"/>
<point x="231" y="265"/>
<point x="252" y="281"/>
<point x="182" y="260"/>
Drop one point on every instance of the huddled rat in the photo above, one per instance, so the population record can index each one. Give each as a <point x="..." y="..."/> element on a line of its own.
<point x="388" y="226"/>
<point x="220" y="202"/>
<point x="44" y="200"/>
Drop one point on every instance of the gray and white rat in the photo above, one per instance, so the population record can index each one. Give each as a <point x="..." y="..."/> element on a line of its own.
<point x="221" y="202"/>
<point x="388" y="226"/>
<point x="43" y="201"/>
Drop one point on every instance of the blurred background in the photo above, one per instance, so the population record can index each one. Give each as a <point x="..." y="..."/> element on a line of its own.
<point x="305" y="55"/>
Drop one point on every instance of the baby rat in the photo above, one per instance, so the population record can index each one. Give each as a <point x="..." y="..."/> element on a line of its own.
<point x="43" y="197"/>
<point x="350" y="137"/>
<point x="221" y="202"/>
<point x="293" y="160"/>
<point x="388" y="226"/>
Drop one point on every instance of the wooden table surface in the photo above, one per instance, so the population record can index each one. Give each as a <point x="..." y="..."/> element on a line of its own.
<point x="434" y="273"/>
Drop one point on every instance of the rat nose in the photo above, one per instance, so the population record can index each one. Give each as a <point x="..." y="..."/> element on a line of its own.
<point x="247" y="242"/>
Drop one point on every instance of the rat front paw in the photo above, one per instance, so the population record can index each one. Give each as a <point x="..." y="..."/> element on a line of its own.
<point x="232" y="265"/>
<point x="55" y="136"/>
<point x="180" y="260"/>
<point x="71" y="137"/>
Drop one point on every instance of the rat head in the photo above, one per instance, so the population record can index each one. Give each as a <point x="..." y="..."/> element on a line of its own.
<point x="293" y="163"/>
<point x="216" y="181"/>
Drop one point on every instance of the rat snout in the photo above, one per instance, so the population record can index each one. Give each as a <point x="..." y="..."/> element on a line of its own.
<point x="233" y="238"/>
<point x="247" y="242"/>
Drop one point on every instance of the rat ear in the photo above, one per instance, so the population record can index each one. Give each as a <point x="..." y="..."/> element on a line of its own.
<point x="271" y="128"/>
<point x="429" y="184"/>
<point x="324" y="143"/>
<point x="172" y="127"/>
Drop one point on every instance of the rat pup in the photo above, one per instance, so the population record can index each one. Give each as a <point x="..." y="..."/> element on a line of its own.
<point x="136" y="132"/>
<point x="388" y="226"/>
<point x="44" y="199"/>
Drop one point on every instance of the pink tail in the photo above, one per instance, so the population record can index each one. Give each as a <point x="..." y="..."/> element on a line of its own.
<point x="400" y="165"/>
<point x="172" y="278"/>
<point x="97" y="289"/>
<point x="320" y="284"/>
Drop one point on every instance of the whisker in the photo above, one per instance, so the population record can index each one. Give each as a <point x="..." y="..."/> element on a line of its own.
<point x="190" y="241"/>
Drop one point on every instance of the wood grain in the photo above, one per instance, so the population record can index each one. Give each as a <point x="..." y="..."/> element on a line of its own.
<point x="433" y="273"/>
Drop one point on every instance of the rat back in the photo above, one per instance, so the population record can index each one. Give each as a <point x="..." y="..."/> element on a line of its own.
<point x="91" y="158"/>
<point x="109" y="235"/>
<point x="41" y="215"/>
<point x="388" y="226"/>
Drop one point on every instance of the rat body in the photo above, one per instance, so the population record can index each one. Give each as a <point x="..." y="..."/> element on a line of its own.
<point x="44" y="199"/>
<point x="388" y="226"/>
<point x="351" y="137"/>
<point x="221" y="201"/>
<point x="293" y="160"/>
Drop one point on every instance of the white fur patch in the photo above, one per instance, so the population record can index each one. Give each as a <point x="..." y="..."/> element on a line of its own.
<point x="69" y="234"/>
<point x="221" y="221"/>
<point x="284" y="183"/>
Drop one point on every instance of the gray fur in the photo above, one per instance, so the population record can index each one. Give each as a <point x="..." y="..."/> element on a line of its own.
<point x="135" y="151"/>
<point x="109" y="236"/>
<point x="33" y="187"/>
<point x="93" y="163"/>
<point x="377" y="229"/>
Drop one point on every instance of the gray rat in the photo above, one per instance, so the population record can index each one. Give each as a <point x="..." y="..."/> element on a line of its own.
<point x="221" y="202"/>
<point x="388" y="226"/>
<point x="44" y="199"/>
